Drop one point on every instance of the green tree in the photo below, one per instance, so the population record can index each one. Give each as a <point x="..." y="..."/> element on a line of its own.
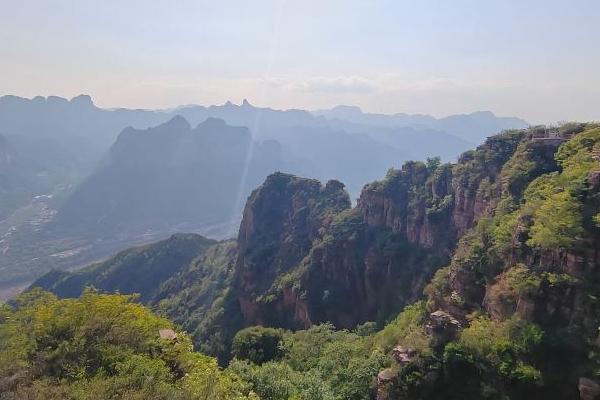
<point x="557" y="222"/>
<point x="433" y="163"/>
<point x="257" y="344"/>
<point x="101" y="346"/>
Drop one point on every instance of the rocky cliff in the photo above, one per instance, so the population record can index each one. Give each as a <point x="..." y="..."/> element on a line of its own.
<point x="515" y="220"/>
<point x="281" y="220"/>
<point x="522" y="286"/>
<point x="306" y="257"/>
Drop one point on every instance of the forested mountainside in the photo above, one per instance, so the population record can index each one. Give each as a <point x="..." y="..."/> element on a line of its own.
<point x="138" y="270"/>
<point x="465" y="281"/>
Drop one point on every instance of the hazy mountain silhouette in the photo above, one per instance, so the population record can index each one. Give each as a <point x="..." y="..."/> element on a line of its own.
<point x="473" y="127"/>
<point x="323" y="148"/>
<point x="55" y="142"/>
<point x="170" y="176"/>
<point x="4" y="154"/>
<point x="83" y="132"/>
<point x="57" y="117"/>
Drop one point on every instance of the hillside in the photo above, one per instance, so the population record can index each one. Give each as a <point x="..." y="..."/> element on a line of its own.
<point x="185" y="276"/>
<point x="102" y="346"/>
<point x="503" y="244"/>
<point x="138" y="270"/>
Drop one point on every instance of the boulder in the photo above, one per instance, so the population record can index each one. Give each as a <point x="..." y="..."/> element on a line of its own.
<point x="385" y="376"/>
<point x="404" y="356"/>
<point x="167" y="334"/>
<point x="588" y="389"/>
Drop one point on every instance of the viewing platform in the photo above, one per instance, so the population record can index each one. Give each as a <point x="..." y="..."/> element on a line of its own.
<point x="548" y="137"/>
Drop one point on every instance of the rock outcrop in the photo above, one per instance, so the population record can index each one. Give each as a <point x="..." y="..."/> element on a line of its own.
<point x="395" y="203"/>
<point x="530" y="258"/>
<point x="282" y="219"/>
<point x="404" y="356"/>
<point x="588" y="389"/>
<point x="305" y="256"/>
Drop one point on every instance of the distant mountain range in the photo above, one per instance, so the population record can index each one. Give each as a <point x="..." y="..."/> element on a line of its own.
<point x="78" y="182"/>
<point x="474" y="127"/>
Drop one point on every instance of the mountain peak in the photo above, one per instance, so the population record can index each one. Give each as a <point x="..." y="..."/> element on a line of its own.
<point x="342" y="107"/>
<point x="212" y="122"/>
<point x="56" y="100"/>
<point x="82" y="99"/>
<point x="483" y="114"/>
<point x="177" y="122"/>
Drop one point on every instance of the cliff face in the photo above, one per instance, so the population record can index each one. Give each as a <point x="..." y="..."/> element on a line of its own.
<point x="306" y="257"/>
<point x="376" y="258"/>
<point x="281" y="220"/>
<point x="411" y="202"/>
<point x="476" y="171"/>
<point x="523" y="283"/>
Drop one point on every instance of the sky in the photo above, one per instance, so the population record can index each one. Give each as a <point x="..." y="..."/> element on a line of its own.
<point x="538" y="60"/>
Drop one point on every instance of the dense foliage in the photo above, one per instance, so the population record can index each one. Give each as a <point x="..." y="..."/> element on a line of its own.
<point x="315" y="364"/>
<point x="101" y="347"/>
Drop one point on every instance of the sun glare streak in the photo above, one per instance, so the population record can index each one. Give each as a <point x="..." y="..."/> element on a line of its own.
<point x="262" y="99"/>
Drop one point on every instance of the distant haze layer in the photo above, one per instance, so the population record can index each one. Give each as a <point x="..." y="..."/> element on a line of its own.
<point x="534" y="59"/>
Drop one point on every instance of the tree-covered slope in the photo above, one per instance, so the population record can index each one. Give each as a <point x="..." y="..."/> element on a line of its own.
<point x="494" y="261"/>
<point x="522" y="286"/>
<point x="102" y="347"/>
<point x="186" y="277"/>
<point x="139" y="270"/>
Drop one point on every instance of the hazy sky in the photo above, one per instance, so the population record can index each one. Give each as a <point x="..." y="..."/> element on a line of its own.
<point x="539" y="60"/>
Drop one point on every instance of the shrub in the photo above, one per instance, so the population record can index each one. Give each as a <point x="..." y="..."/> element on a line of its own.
<point x="257" y="344"/>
